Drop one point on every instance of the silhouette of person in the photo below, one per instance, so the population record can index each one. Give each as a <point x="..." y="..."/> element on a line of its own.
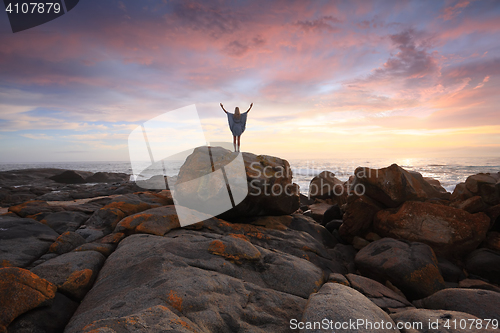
<point x="237" y="122"/>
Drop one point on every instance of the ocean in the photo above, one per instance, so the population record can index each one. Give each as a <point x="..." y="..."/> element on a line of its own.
<point x="449" y="171"/>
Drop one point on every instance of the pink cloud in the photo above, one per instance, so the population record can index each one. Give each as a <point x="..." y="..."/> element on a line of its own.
<point x="451" y="12"/>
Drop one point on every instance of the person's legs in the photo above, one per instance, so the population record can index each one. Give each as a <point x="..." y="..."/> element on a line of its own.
<point x="234" y="142"/>
<point x="239" y="143"/>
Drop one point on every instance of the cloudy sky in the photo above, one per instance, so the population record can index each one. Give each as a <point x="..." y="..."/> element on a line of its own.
<point x="327" y="78"/>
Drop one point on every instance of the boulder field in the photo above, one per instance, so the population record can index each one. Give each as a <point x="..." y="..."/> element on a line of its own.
<point x="384" y="249"/>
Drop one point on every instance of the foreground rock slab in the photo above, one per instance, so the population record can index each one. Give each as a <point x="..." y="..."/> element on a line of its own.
<point x="187" y="277"/>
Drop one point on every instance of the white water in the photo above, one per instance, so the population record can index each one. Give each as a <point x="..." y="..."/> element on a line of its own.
<point x="449" y="171"/>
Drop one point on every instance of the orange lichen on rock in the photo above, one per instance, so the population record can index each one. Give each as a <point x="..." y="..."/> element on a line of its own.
<point x="156" y="221"/>
<point x="175" y="301"/>
<point x="128" y="208"/>
<point x="77" y="282"/>
<point x="18" y="209"/>
<point x="309" y="249"/>
<point x="247" y="229"/>
<point x="5" y="263"/>
<point x="159" y="225"/>
<point x="131" y="222"/>
<point x="21" y="291"/>
<point x="235" y="249"/>
<point x="104" y="249"/>
<point x="240" y="236"/>
<point x="258" y="235"/>
<point x="182" y="323"/>
<point x="113" y="238"/>
<point x="427" y="277"/>
<point x="216" y="247"/>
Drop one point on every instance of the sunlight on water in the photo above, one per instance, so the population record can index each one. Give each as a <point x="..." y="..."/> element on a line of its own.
<point x="449" y="172"/>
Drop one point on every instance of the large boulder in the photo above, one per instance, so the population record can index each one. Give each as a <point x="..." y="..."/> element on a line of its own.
<point x="411" y="267"/>
<point x="483" y="304"/>
<point x="72" y="177"/>
<point x="358" y="216"/>
<point x="307" y="224"/>
<point x="326" y="185"/>
<point x="393" y="185"/>
<point x="484" y="263"/>
<point x="461" y="193"/>
<point x="434" y="183"/>
<point x="20" y="291"/>
<point x="485" y="185"/>
<point x="451" y="232"/>
<point x="222" y="183"/>
<point x="339" y="304"/>
<point x="472" y="205"/>
<point x="107" y="177"/>
<point x="23" y="240"/>
<point x="317" y="211"/>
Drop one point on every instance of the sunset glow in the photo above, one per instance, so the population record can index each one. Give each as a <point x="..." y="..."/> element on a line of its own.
<point x="328" y="79"/>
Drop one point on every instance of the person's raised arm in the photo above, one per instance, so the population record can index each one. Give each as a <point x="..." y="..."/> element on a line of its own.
<point x="223" y="108"/>
<point x="251" y="104"/>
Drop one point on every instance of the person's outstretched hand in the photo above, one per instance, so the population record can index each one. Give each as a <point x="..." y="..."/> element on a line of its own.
<point x="221" y="105"/>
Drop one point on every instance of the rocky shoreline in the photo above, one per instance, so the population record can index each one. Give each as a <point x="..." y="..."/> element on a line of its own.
<point x="85" y="252"/>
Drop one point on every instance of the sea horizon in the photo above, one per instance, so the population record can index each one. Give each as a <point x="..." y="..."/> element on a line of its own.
<point x="450" y="171"/>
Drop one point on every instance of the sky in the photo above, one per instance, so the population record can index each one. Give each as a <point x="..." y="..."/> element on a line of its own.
<point x="328" y="79"/>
